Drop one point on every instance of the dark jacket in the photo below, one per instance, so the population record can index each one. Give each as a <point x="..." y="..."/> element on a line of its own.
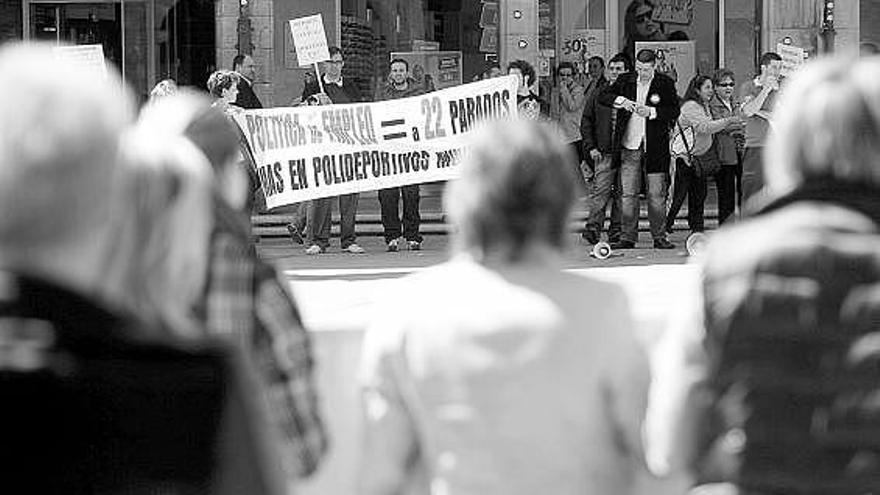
<point x="389" y="92"/>
<point x="726" y="140"/>
<point x="597" y="124"/>
<point x="656" y="130"/>
<point x="246" y="97"/>
<point x="347" y="93"/>
<point x="792" y="311"/>
<point x="109" y="405"/>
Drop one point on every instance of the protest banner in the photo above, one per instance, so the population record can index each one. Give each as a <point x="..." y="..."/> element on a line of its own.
<point x="311" y="152"/>
<point x="792" y="58"/>
<point x="676" y="59"/>
<point x="88" y="58"/>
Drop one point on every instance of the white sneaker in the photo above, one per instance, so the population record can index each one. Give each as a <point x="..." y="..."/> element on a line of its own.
<point x="353" y="248"/>
<point x="314" y="249"/>
<point x="392" y="245"/>
<point x="414" y="245"/>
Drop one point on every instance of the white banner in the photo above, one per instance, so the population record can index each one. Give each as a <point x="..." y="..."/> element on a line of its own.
<point x="311" y="152"/>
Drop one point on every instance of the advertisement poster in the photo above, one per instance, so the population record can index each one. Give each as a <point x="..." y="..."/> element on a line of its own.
<point x="580" y="45"/>
<point x="311" y="152"/>
<point x="676" y="59"/>
<point x="671" y="20"/>
<point x="433" y="69"/>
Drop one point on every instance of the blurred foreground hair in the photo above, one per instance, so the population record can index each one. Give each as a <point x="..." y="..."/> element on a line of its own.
<point x="515" y="191"/>
<point x="834" y="137"/>
<point x="59" y="137"/>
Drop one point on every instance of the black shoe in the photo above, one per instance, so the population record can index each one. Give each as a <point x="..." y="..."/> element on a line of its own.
<point x="590" y="235"/>
<point x="623" y="245"/>
<point x="295" y="236"/>
<point x="663" y="244"/>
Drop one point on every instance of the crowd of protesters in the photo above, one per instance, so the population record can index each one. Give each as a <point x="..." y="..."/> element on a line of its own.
<point x="145" y="347"/>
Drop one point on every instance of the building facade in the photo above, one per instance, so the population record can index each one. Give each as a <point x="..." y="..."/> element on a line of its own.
<point x="150" y="40"/>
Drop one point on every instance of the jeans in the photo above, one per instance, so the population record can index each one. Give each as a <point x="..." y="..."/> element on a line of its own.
<point x="389" y="201"/>
<point x="688" y="183"/>
<point x="319" y="220"/>
<point x="631" y="178"/>
<point x="753" y="173"/>
<point x="606" y="187"/>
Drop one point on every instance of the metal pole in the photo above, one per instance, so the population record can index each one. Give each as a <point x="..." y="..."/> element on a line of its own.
<point x="122" y="41"/>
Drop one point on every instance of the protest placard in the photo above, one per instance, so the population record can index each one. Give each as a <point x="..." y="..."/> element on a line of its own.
<point x="435" y="70"/>
<point x="309" y="40"/>
<point x="312" y="152"/>
<point x="88" y="58"/>
<point x="792" y="57"/>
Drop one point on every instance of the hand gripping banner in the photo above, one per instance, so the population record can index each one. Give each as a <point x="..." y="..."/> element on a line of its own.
<point x="311" y="152"/>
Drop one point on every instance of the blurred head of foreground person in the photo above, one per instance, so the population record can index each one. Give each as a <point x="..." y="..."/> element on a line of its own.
<point x="498" y="372"/>
<point x="162" y="229"/>
<point x="783" y="332"/>
<point x="94" y="401"/>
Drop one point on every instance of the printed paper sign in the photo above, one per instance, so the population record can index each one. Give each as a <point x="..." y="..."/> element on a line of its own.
<point x="582" y="44"/>
<point x="674" y="11"/>
<point x="436" y="70"/>
<point x="792" y="57"/>
<point x="309" y="40"/>
<point x="85" y="57"/>
<point x="311" y="152"/>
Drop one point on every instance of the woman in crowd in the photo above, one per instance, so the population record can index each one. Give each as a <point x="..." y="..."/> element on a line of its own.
<point x="529" y="105"/>
<point x="223" y="85"/>
<point x="728" y="143"/>
<point x="767" y="378"/>
<point x="525" y="379"/>
<point x="691" y="172"/>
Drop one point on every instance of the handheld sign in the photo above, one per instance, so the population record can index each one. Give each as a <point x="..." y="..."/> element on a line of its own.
<point x="310" y="42"/>
<point x="88" y="58"/>
<point x="792" y="57"/>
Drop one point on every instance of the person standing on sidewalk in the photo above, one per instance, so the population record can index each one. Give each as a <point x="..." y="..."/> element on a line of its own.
<point x="400" y="85"/>
<point x="597" y="129"/>
<point x="647" y="106"/>
<point x="729" y="145"/>
<point x="336" y="91"/>
<point x="757" y="98"/>
<point x="246" y="68"/>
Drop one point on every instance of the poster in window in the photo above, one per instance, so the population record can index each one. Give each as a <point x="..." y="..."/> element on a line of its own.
<point x="676" y="59"/>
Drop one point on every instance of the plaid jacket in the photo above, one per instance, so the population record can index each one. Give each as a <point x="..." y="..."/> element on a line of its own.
<point x="246" y="302"/>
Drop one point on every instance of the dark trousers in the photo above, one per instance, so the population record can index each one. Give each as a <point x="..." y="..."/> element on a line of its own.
<point x="319" y="220"/>
<point x="389" y="201"/>
<point x="753" y="173"/>
<point x="725" y="182"/>
<point x="687" y="183"/>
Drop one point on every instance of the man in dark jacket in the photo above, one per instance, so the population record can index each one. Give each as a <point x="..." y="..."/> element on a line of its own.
<point x="400" y="85"/>
<point x="247" y="69"/>
<point x="648" y="106"/>
<point x="597" y="130"/>
<point x="336" y="91"/>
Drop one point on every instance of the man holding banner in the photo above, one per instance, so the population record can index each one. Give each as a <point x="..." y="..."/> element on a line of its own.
<point x="400" y="85"/>
<point x="336" y="91"/>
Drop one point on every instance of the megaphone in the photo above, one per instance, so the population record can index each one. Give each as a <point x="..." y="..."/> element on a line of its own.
<point x="601" y="250"/>
<point x="696" y="243"/>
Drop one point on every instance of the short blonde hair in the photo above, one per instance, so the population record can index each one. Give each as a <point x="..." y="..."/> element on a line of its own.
<point x="827" y="125"/>
<point x="161" y="231"/>
<point x="59" y="137"/>
<point x="516" y="189"/>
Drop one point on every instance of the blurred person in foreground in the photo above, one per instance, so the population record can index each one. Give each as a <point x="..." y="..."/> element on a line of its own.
<point x="96" y="400"/>
<point x="766" y="379"/>
<point x="245" y="300"/>
<point x="503" y="373"/>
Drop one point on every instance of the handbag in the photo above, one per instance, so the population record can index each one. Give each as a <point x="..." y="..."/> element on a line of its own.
<point x="708" y="163"/>
<point x="681" y="142"/>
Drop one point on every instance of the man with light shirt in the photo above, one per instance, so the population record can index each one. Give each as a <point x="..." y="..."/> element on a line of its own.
<point x="648" y="107"/>
<point x="758" y="97"/>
